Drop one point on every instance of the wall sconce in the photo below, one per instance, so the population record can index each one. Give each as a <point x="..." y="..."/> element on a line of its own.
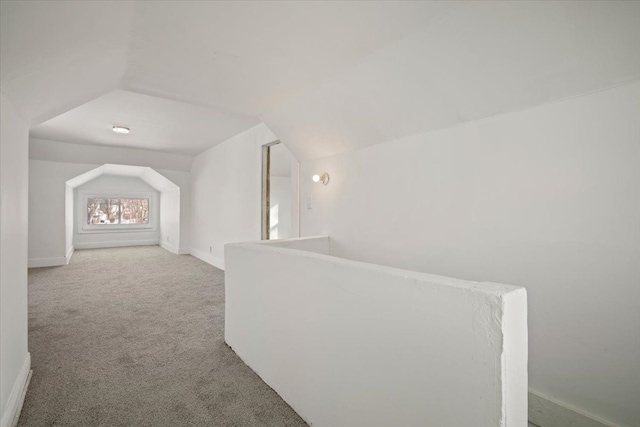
<point x="324" y="178"/>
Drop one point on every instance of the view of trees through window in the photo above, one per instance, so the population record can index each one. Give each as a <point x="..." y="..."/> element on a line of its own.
<point x="106" y="211"/>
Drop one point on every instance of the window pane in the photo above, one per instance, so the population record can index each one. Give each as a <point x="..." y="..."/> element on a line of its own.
<point x="135" y="211"/>
<point x="103" y="211"/>
<point x="114" y="212"/>
<point x="93" y="210"/>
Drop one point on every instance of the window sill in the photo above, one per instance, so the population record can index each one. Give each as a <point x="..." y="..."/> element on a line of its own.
<point x="118" y="230"/>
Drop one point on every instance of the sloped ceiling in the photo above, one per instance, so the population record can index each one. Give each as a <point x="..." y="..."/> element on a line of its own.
<point x="58" y="55"/>
<point x="148" y="175"/>
<point x="326" y="77"/>
<point x="250" y="57"/>
<point x="479" y="60"/>
<point x="156" y="124"/>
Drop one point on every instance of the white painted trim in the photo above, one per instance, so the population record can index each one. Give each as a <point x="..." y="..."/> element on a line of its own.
<point x="16" y="418"/>
<point x="47" y="262"/>
<point x="209" y="259"/>
<point x="97" y="245"/>
<point x="51" y="261"/>
<point x="18" y="392"/>
<point x="545" y="411"/>
<point x="174" y="250"/>
<point x="70" y="253"/>
<point x="169" y="247"/>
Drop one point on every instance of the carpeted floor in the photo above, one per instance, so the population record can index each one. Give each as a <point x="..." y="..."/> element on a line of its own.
<point x="135" y="337"/>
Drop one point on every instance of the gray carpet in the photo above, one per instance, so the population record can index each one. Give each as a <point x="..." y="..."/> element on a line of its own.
<point x="135" y="337"/>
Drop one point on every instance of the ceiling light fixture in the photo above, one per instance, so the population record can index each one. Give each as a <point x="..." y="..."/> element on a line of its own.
<point x="121" y="129"/>
<point x="324" y="178"/>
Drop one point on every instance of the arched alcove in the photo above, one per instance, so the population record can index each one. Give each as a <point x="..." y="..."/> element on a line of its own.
<point x="166" y="231"/>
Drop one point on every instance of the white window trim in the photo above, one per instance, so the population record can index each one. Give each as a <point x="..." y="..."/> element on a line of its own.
<point x="154" y="212"/>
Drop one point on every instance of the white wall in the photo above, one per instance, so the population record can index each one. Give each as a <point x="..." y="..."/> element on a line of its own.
<point x="547" y="198"/>
<point x="284" y="193"/>
<point x="47" y="180"/>
<point x="55" y="151"/>
<point x="69" y="215"/>
<point x="47" y="201"/>
<point x="225" y="194"/>
<point x="171" y="217"/>
<point x="281" y="197"/>
<point x="119" y="185"/>
<point x="14" y="357"/>
<point x="353" y="344"/>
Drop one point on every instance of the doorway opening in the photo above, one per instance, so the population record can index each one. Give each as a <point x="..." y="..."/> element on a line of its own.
<point x="280" y="206"/>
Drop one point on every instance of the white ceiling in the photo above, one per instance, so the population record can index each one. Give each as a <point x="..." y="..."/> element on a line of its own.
<point x="326" y="77"/>
<point x="57" y="55"/>
<point x="250" y="57"/>
<point x="155" y="123"/>
<point x="479" y="60"/>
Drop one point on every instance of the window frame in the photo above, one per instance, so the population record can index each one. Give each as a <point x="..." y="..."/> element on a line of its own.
<point x="84" y="196"/>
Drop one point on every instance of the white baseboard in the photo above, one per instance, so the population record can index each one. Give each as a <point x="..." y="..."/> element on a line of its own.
<point x="47" y="262"/>
<point x="116" y="244"/>
<point x="169" y="247"/>
<point x="545" y="411"/>
<point x="18" y="392"/>
<point x="51" y="261"/>
<point x="174" y="250"/>
<point x="70" y="254"/>
<point x="208" y="258"/>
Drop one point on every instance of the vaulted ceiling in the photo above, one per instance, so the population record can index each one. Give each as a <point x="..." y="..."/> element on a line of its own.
<point x="326" y="77"/>
<point x="155" y="123"/>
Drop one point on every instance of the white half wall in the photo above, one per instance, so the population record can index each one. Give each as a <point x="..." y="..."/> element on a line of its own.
<point x="14" y="206"/>
<point x="353" y="344"/>
<point x="225" y="194"/>
<point x="547" y="198"/>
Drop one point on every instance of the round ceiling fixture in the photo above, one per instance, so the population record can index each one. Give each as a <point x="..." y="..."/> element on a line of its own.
<point x="121" y="129"/>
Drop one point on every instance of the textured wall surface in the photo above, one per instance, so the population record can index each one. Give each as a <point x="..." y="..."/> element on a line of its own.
<point x="353" y="344"/>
